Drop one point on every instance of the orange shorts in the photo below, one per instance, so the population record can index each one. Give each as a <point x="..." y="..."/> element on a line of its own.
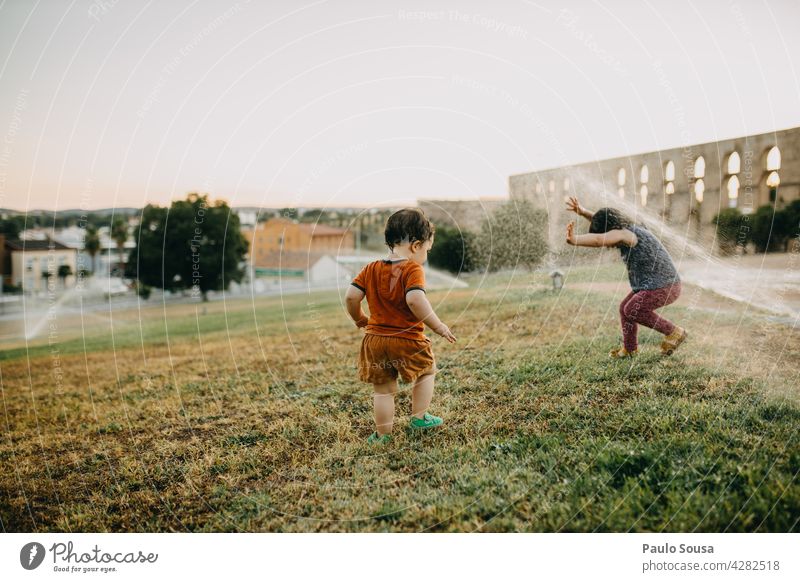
<point x="384" y="358"/>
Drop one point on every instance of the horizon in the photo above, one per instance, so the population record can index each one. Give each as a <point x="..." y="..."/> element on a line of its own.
<point x="244" y="204"/>
<point x="358" y="106"/>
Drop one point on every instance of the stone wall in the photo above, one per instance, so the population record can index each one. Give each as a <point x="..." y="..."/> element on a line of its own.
<point x="682" y="202"/>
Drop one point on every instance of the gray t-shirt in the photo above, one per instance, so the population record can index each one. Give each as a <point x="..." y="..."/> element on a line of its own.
<point x="649" y="264"/>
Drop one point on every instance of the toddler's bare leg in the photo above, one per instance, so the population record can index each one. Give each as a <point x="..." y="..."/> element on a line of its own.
<point x="383" y="404"/>
<point x="422" y="394"/>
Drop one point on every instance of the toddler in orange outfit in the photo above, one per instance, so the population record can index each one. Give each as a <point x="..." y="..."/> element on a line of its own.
<point x="394" y="344"/>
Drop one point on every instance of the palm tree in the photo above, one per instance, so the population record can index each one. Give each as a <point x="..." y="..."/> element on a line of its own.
<point x="119" y="232"/>
<point x="46" y="275"/>
<point x="91" y="243"/>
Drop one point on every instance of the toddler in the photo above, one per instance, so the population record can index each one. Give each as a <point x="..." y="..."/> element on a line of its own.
<point x="394" y="344"/>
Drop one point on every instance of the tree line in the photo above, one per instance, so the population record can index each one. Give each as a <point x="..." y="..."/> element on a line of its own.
<point x="514" y="235"/>
<point x="767" y="229"/>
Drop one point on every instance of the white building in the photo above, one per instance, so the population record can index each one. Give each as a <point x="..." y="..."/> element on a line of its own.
<point x="107" y="258"/>
<point x="33" y="262"/>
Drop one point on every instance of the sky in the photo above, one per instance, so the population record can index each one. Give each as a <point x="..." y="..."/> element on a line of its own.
<point x="120" y="103"/>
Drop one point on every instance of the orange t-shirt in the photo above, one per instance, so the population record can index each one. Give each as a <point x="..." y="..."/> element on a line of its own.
<point x="385" y="284"/>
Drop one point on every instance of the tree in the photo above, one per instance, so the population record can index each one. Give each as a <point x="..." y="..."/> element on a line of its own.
<point x="514" y="236"/>
<point x="455" y="250"/>
<point x="91" y="244"/>
<point x="191" y="245"/>
<point x="315" y="215"/>
<point x="12" y="226"/>
<point x="119" y="232"/>
<point x="730" y="232"/>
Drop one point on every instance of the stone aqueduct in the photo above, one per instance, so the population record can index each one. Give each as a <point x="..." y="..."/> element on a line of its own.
<point x="686" y="187"/>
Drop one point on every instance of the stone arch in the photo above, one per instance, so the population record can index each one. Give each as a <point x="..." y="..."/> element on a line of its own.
<point x="669" y="171"/>
<point x="734" y="163"/>
<point x="773" y="159"/>
<point x="699" y="190"/>
<point x="733" y="191"/>
<point x="700" y="167"/>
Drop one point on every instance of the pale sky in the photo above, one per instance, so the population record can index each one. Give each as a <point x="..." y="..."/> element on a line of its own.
<point x="112" y="103"/>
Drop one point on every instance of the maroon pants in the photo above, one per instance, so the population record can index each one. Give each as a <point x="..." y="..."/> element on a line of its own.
<point x="639" y="307"/>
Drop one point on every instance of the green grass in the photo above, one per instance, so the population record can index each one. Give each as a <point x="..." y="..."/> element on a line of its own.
<point x="158" y="324"/>
<point x="257" y="423"/>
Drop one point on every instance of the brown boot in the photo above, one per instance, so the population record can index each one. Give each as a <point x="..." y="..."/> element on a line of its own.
<point x="672" y="341"/>
<point x="623" y="353"/>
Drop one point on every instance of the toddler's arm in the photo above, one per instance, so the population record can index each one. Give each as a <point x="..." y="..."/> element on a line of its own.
<point x="352" y="300"/>
<point x="612" y="238"/>
<point x="574" y="206"/>
<point x="423" y="310"/>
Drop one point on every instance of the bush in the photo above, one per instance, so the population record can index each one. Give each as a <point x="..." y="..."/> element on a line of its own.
<point x="455" y="250"/>
<point x="771" y="229"/>
<point x="514" y="236"/>
<point x="792" y="214"/>
<point x="730" y="231"/>
<point x="9" y="289"/>
<point x="143" y="290"/>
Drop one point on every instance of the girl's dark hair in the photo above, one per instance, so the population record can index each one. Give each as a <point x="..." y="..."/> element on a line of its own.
<point x="407" y="226"/>
<point x="607" y="219"/>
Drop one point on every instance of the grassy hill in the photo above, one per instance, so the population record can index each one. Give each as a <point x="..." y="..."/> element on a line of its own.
<point x="247" y="416"/>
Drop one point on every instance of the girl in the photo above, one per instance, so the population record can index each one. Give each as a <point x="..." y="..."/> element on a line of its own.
<point x="652" y="274"/>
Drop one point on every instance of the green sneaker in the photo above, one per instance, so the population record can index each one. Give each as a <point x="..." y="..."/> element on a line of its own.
<point x="427" y="421"/>
<point x="375" y="439"/>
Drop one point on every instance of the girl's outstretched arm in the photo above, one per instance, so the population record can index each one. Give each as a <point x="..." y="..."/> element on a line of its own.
<point x="612" y="238"/>
<point x="574" y="206"/>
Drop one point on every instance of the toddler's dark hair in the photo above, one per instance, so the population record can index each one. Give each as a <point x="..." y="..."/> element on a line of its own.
<point x="607" y="219"/>
<point x="407" y="226"/>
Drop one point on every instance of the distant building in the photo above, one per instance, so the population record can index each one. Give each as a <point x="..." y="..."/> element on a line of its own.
<point x="278" y="242"/>
<point x="35" y="233"/>
<point x="313" y="268"/>
<point x="30" y="262"/>
<point x="247" y="217"/>
<point x="108" y="257"/>
<point x="461" y="214"/>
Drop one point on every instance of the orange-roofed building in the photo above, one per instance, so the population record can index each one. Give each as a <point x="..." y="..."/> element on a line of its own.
<point x="279" y="236"/>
